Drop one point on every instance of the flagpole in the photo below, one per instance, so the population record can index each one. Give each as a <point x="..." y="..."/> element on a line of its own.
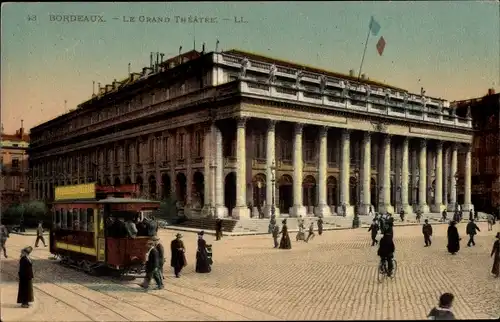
<point x="364" y="51"/>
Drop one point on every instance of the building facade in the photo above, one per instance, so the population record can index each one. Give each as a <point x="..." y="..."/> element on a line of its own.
<point x="485" y="112"/>
<point x="230" y="133"/>
<point x="15" y="168"/>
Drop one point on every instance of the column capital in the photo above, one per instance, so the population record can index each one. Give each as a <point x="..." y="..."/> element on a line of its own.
<point x="299" y="127"/>
<point x="423" y="143"/>
<point x="468" y="147"/>
<point x="271" y="124"/>
<point x="241" y="121"/>
<point x="454" y="146"/>
<point x="367" y="135"/>
<point x="323" y="131"/>
<point x="387" y="138"/>
<point x="346" y="133"/>
<point x="439" y="144"/>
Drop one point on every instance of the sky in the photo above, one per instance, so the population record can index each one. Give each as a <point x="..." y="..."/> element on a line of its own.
<point x="452" y="49"/>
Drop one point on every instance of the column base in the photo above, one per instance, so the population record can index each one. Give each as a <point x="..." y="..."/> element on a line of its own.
<point x="349" y="211"/>
<point x="408" y="209"/>
<point x="451" y="207"/>
<point x="297" y="211"/>
<point x="207" y="211"/>
<point x="222" y="212"/>
<point x="386" y="208"/>
<point x="241" y="212"/>
<point x="467" y="207"/>
<point x="268" y="211"/>
<point x="438" y="208"/>
<point x="364" y="210"/>
<point x="322" y="211"/>
<point x="424" y="208"/>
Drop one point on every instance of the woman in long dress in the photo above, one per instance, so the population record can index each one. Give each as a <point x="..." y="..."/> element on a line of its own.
<point x="25" y="291"/>
<point x="495" y="253"/>
<point x="203" y="262"/>
<point x="285" y="242"/>
<point x="453" y="238"/>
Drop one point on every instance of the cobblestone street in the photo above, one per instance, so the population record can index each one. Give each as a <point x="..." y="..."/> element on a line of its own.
<point x="334" y="276"/>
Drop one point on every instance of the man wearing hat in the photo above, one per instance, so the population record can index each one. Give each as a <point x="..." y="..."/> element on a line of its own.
<point x="495" y="253"/>
<point x="152" y="267"/>
<point x="161" y="254"/>
<point x="25" y="290"/>
<point x="178" y="259"/>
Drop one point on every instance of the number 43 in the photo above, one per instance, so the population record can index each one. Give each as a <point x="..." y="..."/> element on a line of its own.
<point x="31" y="18"/>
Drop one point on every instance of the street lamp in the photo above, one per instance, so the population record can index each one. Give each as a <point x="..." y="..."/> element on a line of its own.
<point x="358" y="199"/>
<point x="273" y="181"/>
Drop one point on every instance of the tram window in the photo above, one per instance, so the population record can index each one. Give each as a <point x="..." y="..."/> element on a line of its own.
<point x="90" y="219"/>
<point x="64" y="221"/>
<point x="56" y="217"/>
<point x="76" y="219"/>
<point x="69" y="219"/>
<point x="83" y="220"/>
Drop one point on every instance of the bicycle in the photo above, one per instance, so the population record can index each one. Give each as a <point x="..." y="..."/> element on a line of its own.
<point x="383" y="270"/>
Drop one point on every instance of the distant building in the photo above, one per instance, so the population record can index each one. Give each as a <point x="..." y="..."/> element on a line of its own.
<point x="14" y="185"/>
<point x="485" y="150"/>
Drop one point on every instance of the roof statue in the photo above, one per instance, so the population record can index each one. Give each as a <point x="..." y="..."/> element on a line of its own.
<point x="298" y="76"/>
<point x="245" y="64"/>
<point x="322" y="82"/>
<point x="272" y="73"/>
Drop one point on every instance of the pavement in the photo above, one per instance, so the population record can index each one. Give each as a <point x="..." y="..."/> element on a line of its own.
<point x="333" y="277"/>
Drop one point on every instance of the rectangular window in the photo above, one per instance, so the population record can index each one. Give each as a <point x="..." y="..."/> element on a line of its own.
<point x="180" y="146"/>
<point x="286" y="150"/>
<point x="15" y="163"/>
<point x="90" y="219"/>
<point x="309" y="150"/>
<point x="83" y="219"/>
<point x="152" y="149"/>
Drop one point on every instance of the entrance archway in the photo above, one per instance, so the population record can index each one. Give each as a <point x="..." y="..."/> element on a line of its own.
<point x="353" y="191"/>
<point x="166" y="186"/>
<point x="393" y="194"/>
<point x="140" y="182"/>
<point x="181" y="187"/>
<point x="152" y="187"/>
<point x="417" y="193"/>
<point x="373" y="193"/>
<point x="198" y="190"/>
<point x="128" y="180"/>
<point x="117" y="182"/>
<point x="107" y="182"/>
<point x="230" y="191"/>
<point x="259" y="191"/>
<point x="332" y="191"/>
<point x="309" y="192"/>
<point x="285" y="193"/>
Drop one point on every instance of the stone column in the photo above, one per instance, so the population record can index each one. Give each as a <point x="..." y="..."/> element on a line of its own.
<point x="189" y="172"/>
<point x="241" y="210"/>
<point x="345" y="171"/>
<point x="220" y="209"/>
<point x="366" y="174"/>
<point x="322" y="209"/>
<point x="386" y="176"/>
<point x="298" y="206"/>
<point x="446" y="175"/>
<point x="422" y="180"/>
<point x="208" y="179"/>
<point x="414" y="182"/>
<point x="270" y="161"/>
<point x="467" y="206"/>
<point x="405" y="184"/>
<point x="453" y="180"/>
<point x="438" y="193"/>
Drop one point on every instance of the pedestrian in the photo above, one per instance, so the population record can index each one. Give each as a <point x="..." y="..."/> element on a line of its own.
<point x="444" y="215"/>
<point x="402" y="215"/>
<point x="491" y="222"/>
<point x="374" y="229"/>
<point x="443" y="310"/>
<point x="495" y="253"/>
<point x="320" y="226"/>
<point x="370" y="210"/>
<point x="276" y="233"/>
<point x="161" y="254"/>
<point x="4" y="234"/>
<point x="218" y="229"/>
<point x="427" y="231"/>
<point x="471" y="215"/>
<point x="418" y="216"/>
<point x="152" y="267"/>
<point x="178" y="259"/>
<point x="344" y="210"/>
<point x="453" y="238"/>
<point x="203" y="262"/>
<point x="476" y="215"/>
<point x="39" y="234"/>
<point x="471" y="231"/>
<point x="285" y="242"/>
<point x="311" y="234"/>
<point x="25" y="291"/>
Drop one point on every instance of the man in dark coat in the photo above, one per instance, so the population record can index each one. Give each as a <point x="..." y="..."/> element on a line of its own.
<point x="276" y="233"/>
<point x="471" y="215"/>
<point x="374" y="229"/>
<point x="471" y="231"/>
<point x="218" y="229"/>
<point x="427" y="231"/>
<point x="320" y="226"/>
<point x="152" y="267"/>
<point x="402" y="215"/>
<point x="178" y="259"/>
<point x="386" y="252"/>
<point x="161" y="254"/>
<point x="25" y="291"/>
<point x="443" y="310"/>
<point x="310" y="235"/>
<point x="453" y="238"/>
<point x="203" y="261"/>
<point x="444" y="215"/>
<point x="495" y="253"/>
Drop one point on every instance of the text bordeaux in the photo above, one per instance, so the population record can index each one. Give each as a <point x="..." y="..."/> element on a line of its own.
<point x="174" y="19"/>
<point x="76" y="18"/>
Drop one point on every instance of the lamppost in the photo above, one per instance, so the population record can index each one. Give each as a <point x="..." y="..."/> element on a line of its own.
<point x="273" y="181"/>
<point x="456" y="190"/>
<point x="358" y="199"/>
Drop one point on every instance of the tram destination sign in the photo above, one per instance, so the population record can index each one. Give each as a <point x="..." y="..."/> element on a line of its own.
<point x="78" y="191"/>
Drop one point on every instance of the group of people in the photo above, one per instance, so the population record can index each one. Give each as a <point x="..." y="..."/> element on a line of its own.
<point x="285" y="242"/>
<point x="156" y="258"/>
<point x="123" y="225"/>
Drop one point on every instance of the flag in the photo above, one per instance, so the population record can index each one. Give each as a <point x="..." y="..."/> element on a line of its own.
<point x="374" y="26"/>
<point x="381" y="45"/>
<point x="217" y="46"/>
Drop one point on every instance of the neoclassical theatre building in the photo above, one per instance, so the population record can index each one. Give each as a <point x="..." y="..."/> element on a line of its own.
<point x="230" y="133"/>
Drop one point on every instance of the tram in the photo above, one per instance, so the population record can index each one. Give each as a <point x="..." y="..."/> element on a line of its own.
<point x="80" y="237"/>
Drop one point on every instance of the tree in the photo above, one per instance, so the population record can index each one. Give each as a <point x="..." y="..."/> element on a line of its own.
<point x="35" y="211"/>
<point x="13" y="215"/>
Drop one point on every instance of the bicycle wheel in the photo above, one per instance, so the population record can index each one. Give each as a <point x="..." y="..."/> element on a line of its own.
<point x="381" y="274"/>
<point x="394" y="267"/>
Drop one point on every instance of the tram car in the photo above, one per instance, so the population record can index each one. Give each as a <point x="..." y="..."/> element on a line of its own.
<point x="81" y="237"/>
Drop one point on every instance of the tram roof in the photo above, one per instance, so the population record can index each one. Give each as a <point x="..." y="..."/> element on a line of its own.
<point x="111" y="200"/>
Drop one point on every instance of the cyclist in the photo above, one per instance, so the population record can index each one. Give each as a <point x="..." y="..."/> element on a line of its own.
<point x="386" y="252"/>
